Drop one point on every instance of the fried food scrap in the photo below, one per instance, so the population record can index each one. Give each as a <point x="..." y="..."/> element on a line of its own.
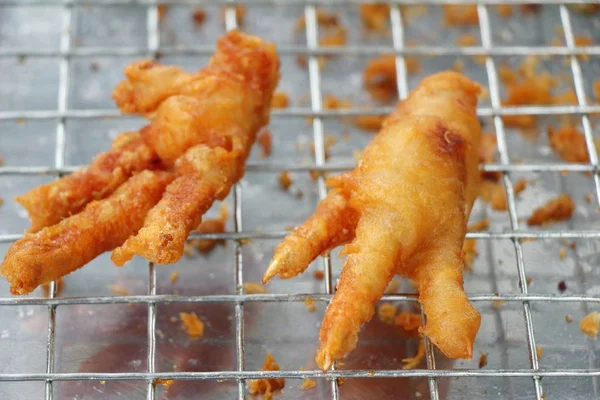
<point x="174" y="277"/>
<point x="590" y="324"/>
<point x="494" y="193"/>
<point x="504" y="10"/>
<point x="480" y="225"/>
<point x="557" y="209"/>
<point x="366" y="122"/>
<point x="254" y="288"/>
<point x="192" y="324"/>
<point x="496" y="304"/>
<point x="487" y="152"/>
<point x="240" y="13"/>
<point x="325" y="19"/>
<point x="285" y="180"/>
<point x="60" y="283"/>
<point x="583" y="41"/>
<point x="199" y="16"/>
<point x="164" y="382"/>
<point x="534" y="91"/>
<point x="212" y="225"/>
<point x="1" y="201"/>
<point x="386" y="312"/>
<point x="413" y="362"/>
<point x="280" y="100"/>
<point x="467" y="40"/>
<point x="539" y="351"/>
<point x="319" y="275"/>
<point x="265" y="141"/>
<point x="482" y="359"/>
<point x="380" y="78"/>
<point x="50" y="203"/>
<point x="568" y="143"/>
<point x="375" y="17"/>
<point x="308" y="384"/>
<point x="205" y="133"/>
<point x="596" y="89"/>
<point x="1" y="161"/>
<point x="562" y="254"/>
<point x="60" y="249"/>
<point x="408" y="321"/>
<point x="469" y="252"/>
<point x="119" y="290"/>
<point x="568" y="318"/>
<point x="370" y="123"/>
<point x="415" y="229"/>
<point x="310" y="304"/>
<point x="267" y="387"/>
<point x="455" y="15"/>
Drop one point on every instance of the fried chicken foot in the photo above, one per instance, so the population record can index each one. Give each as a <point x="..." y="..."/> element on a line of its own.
<point x="206" y="132"/>
<point x="60" y="249"/>
<point x="412" y="193"/>
<point x="48" y="204"/>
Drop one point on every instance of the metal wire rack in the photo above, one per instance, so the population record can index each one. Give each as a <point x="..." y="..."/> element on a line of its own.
<point x="515" y="233"/>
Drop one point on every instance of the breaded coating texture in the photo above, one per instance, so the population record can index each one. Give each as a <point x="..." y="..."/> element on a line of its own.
<point x="412" y="192"/>
<point x="48" y="204"/>
<point x="60" y="249"/>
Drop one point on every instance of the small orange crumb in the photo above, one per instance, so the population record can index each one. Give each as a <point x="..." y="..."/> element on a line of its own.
<point x="386" y="312"/>
<point x="458" y="65"/>
<point x="46" y="287"/>
<point x="530" y="8"/>
<point x="480" y="225"/>
<point x="539" y="351"/>
<point x="562" y="253"/>
<point x="568" y="318"/>
<point x="466" y="40"/>
<point x="460" y="15"/>
<point x="254" y="288"/>
<point x="266" y="386"/>
<point x="240" y="13"/>
<point x="285" y="180"/>
<point x="482" y="359"/>
<point x="335" y="38"/>
<point x="408" y="321"/>
<point x="370" y="123"/>
<point x="569" y="144"/>
<point x="174" y="277"/>
<point x="557" y="209"/>
<point x="569" y="244"/>
<point x="487" y="151"/>
<point x="589" y="197"/>
<point x="332" y="102"/>
<point x="162" y="11"/>
<point x="314" y="175"/>
<point x="280" y="100"/>
<point x="590" y="324"/>
<point x="495" y="195"/>
<point x="187" y="250"/>
<point x="308" y="384"/>
<point x="319" y="275"/>
<point x="192" y="324"/>
<point x="265" y="141"/>
<point x="380" y="78"/>
<point x="469" y="252"/>
<point x="393" y="286"/>
<point x="164" y="382"/>
<point x="596" y="89"/>
<point x="1" y="161"/>
<point x="375" y="17"/>
<point x="325" y="19"/>
<point x="504" y="10"/>
<point x="583" y="41"/>
<point x="199" y="16"/>
<point x="528" y="280"/>
<point x="212" y="225"/>
<point x="118" y="290"/>
<point x="1" y="201"/>
<point x="310" y="304"/>
<point x="506" y="75"/>
<point x="567" y="97"/>
<point x="496" y="304"/>
<point x="412" y="362"/>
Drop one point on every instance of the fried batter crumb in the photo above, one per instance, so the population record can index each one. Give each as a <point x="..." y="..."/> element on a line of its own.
<point x="393" y="286"/>
<point x="308" y="384"/>
<point x="386" y="312"/>
<point x="590" y="323"/>
<point x="466" y="40"/>
<point x="174" y="277"/>
<point x="310" y="304"/>
<point x="254" y="288"/>
<point x="118" y="290"/>
<point x="469" y="252"/>
<point x="164" y="382"/>
<point x="568" y="318"/>
<point x="319" y="275"/>
<point x="530" y="8"/>
<point x="265" y="141"/>
<point x="482" y="359"/>
<point x="412" y="362"/>
<point x="596" y="89"/>
<point x="280" y="100"/>
<point x="480" y="225"/>
<point x="583" y="41"/>
<point x="496" y="304"/>
<point x="192" y="324"/>
<point x="1" y="161"/>
<point x="562" y="253"/>
<point x="504" y="10"/>
<point x="568" y="143"/>
<point x="162" y="11"/>
<point x="375" y="17"/>
<point x="212" y="225"/>
<point x="408" y="321"/>
<point x="267" y="386"/>
<point x="380" y="78"/>
<point x="240" y="13"/>
<point x="325" y="19"/>
<point x="199" y="16"/>
<point x="528" y="280"/>
<point x="455" y="15"/>
<point x="285" y="180"/>
<point x="588" y="198"/>
<point x="557" y="209"/>
<point x="539" y="350"/>
<point x="1" y="201"/>
<point x="495" y="195"/>
<point x="59" y="287"/>
<point x="370" y="123"/>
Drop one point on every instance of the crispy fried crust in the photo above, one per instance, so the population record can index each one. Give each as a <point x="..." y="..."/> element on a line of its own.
<point x="48" y="204"/>
<point x="62" y="248"/>
<point x="413" y="191"/>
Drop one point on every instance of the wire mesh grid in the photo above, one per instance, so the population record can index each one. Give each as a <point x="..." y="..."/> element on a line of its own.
<point x="506" y="370"/>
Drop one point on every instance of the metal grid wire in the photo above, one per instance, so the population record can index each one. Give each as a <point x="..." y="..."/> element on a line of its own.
<point x="313" y="50"/>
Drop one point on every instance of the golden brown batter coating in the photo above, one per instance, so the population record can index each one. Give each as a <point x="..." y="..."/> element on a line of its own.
<point x="48" y="204"/>
<point x="412" y="192"/>
<point x="60" y="249"/>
